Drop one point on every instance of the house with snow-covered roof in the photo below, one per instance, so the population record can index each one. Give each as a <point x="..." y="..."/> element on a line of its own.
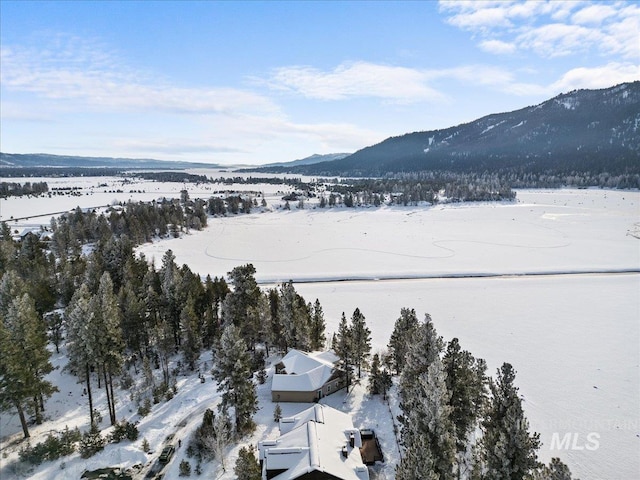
<point x="306" y="377"/>
<point x="319" y="443"/>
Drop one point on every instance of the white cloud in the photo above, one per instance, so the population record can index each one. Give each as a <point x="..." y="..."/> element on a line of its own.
<point x="598" y="77"/>
<point x="474" y="75"/>
<point x="558" y="39"/>
<point x="593" y="14"/>
<point x="173" y="146"/>
<point x="393" y="84"/>
<point x="497" y="46"/>
<point x="550" y="28"/>
<point x="481" y="18"/>
<point x="79" y="73"/>
<point x="359" y="79"/>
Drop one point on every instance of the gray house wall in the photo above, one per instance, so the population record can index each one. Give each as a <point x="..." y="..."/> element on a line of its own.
<point x="328" y="388"/>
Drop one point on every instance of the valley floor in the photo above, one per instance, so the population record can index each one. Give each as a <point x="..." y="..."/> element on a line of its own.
<point x="573" y="339"/>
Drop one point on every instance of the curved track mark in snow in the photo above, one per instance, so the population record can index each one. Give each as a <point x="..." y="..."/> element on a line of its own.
<point x="326" y="250"/>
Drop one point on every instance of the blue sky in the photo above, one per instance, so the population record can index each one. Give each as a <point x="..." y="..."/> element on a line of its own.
<point x="258" y="82"/>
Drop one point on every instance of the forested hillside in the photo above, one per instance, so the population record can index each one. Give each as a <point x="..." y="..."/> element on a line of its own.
<point x="585" y="137"/>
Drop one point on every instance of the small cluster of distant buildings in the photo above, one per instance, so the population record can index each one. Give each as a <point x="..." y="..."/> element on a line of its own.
<point x="320" y="442"/>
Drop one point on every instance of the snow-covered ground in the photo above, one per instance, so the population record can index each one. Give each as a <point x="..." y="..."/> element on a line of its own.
<point x="573" y="339"/>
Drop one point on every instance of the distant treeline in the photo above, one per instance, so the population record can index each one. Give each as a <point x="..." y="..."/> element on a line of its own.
<point x="549" y="179"/>
<point x="56" y="172"/>
<point x="176" y="177"/>
<point x="140" y="222"/>
<point x="293" y="182"/>
<point x="9" y="189"/>
<point x="413" y="188"/>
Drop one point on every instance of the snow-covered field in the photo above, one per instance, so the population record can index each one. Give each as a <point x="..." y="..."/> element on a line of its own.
<point x="573" y="339"/>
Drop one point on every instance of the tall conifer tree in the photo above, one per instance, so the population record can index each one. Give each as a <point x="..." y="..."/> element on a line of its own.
<point x="361" y="341"/>
<point x="232" y="370"/>
<point x="508" y="450"/>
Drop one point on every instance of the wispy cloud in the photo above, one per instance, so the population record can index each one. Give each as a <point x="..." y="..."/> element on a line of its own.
<point x="310" y="82"/>
<point x="497" y="46"/>
<point x="550" y="28"/>
<point x="76" y="70"/>
<point x="390" y="84"/>
<point x="357" y="79"/>
<point x="173" y="146"/>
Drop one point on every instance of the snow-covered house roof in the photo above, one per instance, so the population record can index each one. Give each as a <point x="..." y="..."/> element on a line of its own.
<point x="304" y="372"/>
<point x="319" y="439"/>
<point x="19" y="233"/>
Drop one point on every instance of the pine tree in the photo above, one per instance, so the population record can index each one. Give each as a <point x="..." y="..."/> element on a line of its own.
<point x="81" y="359"/>
<point x="379" y="378"/>
<point x="401" y="337"/>
<point x="169" y="280"/>
<point x="508" y="450"/>
<point x="317" y="335"/>
<point x="262" y="312"/>
<point x="361" y="341"/>
<point x="214" y="293"/>
<point x="106" y="337"/>
<point x="135" y="328"/>
<point x="373" y="387"/>
<point x="91" y="442"/>
<point x="424" y="400"/>
<point x="423" y="348"/>
<point x="416" y="463"/>
<point x="342" y="347"/>
<point x="11" y="287"/>
<point x="192" y="339"/>
<point x="556" y="470"/>
<point x="275" y="325"/>
<point x="245" y="294"/>
<point x="294" y="318"/>
<point x="426" y="422"/>
<point x="247" y="466"/>
<point x="25" y="360"/>
<point x="234" y="376"/>
<point x="466" y="383"/>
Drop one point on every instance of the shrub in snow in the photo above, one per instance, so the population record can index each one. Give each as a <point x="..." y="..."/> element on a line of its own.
<point x="123" y="430"/>
<point x="277" y="413"/>
<point x="54" y="446"/>
<point x="185" y="468"/>
<point x="91" y="442"/>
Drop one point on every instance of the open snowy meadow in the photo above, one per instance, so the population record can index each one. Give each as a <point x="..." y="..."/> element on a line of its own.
<point x="549" y="283"/>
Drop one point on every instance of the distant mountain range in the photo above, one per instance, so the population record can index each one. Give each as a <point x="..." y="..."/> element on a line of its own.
<point x="25" y="160"/>
<point x="582" y="131"/>
<point x="43" y="160"/>
<point x="316" y="158"/>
